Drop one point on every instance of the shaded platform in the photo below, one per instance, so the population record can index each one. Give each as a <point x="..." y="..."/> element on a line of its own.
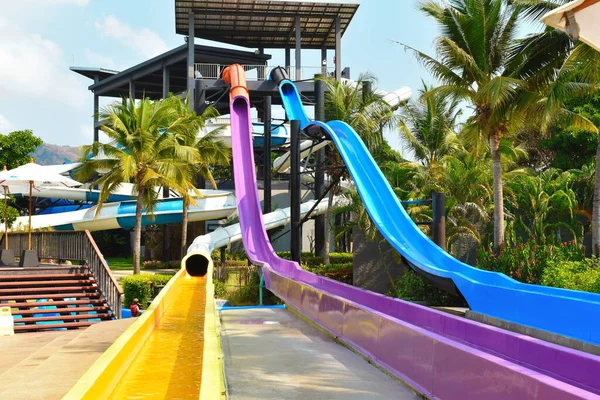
<point x="45" y="365"/>
<point x="272" y="353"/>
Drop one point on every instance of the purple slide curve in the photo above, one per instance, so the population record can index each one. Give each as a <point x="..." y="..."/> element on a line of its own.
<point x="440" y="355"/>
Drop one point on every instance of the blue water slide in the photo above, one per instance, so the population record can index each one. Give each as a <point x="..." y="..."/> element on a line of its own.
<point x="565" y="312"/>
<point x="64" y="208"/>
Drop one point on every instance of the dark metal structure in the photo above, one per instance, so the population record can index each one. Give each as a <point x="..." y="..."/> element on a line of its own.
<point x="295" y="189"/>
<point x="259" y="24"/>
<point x="161" y="75"/>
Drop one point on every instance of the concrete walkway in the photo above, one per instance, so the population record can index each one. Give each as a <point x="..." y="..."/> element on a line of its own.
<point x="273" y="354"/>
<point x="45" y="365"/>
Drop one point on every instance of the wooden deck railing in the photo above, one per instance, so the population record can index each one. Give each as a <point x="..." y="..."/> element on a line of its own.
<point x="73" y="246"/>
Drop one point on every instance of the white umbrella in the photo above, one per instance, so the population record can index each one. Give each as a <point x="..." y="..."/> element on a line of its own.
<point x="31" y="175"/>
<point x="579" y="19"/>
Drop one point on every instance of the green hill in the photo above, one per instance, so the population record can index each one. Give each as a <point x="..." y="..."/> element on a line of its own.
<point x="51" y="154"/>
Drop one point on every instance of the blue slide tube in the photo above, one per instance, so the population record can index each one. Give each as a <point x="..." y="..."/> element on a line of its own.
<point x="565" y="312"/>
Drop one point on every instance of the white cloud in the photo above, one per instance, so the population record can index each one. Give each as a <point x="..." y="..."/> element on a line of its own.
<point x="87" y="134"/>
<point x="33" y="68"/>
<point x="98" y="60"/>
<point x="52" y="3"/>
<point x="5" y="125"/>
<point x="144" y="41"/>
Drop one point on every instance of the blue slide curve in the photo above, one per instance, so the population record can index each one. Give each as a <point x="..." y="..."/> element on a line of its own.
<point x="566" y="312"/>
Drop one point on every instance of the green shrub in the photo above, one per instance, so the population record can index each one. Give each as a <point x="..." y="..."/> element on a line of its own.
<point x="220" y="290"/>
<point x="236" y="263"/>
<point x="248" y="295"/>
<point x="340" y="258"/>
<point x="288" y="254"/>
<point x="156" y="264"/>
<point x="527" y="261"/>
<point x="236" y="255"/>
<point x="142" y="287"/>
<point x="413" y="287"/>
<point x="311" y="260"/>
<point x="576" y="275"/>
<point x="338" y="272"/>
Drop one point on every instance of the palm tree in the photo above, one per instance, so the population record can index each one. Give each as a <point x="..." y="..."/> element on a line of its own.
<point x="211" y="150"/>
<point x="545" y="202"/>
<point x="367" y="113"/>
<point x="427" y="126"/>
<point x="477" y="36"/>
<point x="468" y="184"/>
<point x="573" y="70"/>
<point x="147" y="149"/>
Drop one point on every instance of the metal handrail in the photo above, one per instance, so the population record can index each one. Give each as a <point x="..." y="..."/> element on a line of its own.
<point x="73" y="245"/>
<point x="254" y="72"/>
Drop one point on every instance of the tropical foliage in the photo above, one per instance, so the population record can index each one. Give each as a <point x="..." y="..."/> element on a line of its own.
<point x="148" y="147"/>
<point x="211" y="152"/>
<point x="519" y="165"/>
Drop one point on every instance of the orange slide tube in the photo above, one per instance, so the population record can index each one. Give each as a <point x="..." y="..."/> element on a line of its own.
<point x="235" y="75"/>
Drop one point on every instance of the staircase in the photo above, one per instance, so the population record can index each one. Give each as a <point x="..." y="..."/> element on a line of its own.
<point x="51" y="297"/>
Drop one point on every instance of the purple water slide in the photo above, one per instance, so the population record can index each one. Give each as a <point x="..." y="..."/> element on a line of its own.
<point x="440" y="355"/>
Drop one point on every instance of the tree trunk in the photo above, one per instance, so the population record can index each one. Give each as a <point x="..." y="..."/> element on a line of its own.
<point x="596" y="205"/>
<point x="184" y="229"/>
<point x="498" y="192"/>
<point x="137" y="233"/>
<point x="325" y="254"/>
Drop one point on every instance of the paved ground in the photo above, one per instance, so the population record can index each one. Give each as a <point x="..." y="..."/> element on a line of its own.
<point x="273" y="354"/>
<point x="45" y="365"/>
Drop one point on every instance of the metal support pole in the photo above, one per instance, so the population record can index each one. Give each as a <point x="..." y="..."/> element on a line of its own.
<point x="131" y="88"/>
<point x="319" y="161"/>
<point x="191" y="81"/>
<point x="96" y="111"/>
<point x="166" y="82"/>
<point x="260" y="72"/>
<point x="439" y="219"/>
<point x="298" y="49"/>
<point x="165" y="228"/>
<point x="288" y="59"/>
<point x="261" y="285"/>
<point x="367" y="89"/>
<point x="267" y="155"/>
<point x="296" y="236"/>
<point x="338" y="49"/>
<point x="165" y="231"/>
<point x="324" y="60"/>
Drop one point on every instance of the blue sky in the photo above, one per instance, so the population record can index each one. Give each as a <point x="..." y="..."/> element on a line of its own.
<point x="40" y="39"/>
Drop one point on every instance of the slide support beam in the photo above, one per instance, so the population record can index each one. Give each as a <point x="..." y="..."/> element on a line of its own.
<point x="296" y="234"/>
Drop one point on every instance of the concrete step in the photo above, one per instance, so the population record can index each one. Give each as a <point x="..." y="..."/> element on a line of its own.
<point x="65" y="310"/>
<point x="64" y="318"/>
<point x="52" y="289"/>
<point x="30" y="304"/>
<point x="49" y="296"/>
<point x="44" y="327"/>
<point x="17" y="285"/>
<point x="5" y="278"/>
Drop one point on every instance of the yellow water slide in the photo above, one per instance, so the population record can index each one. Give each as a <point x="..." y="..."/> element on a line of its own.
<point x="171" y="351"/>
